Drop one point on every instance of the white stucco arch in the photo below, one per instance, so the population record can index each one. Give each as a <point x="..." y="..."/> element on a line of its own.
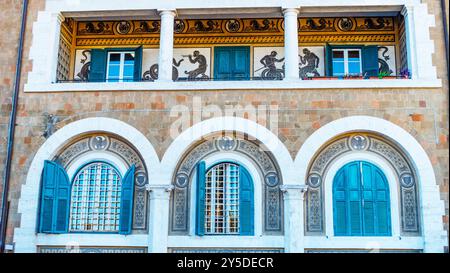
<point x="185" y="140"/>
<point x="25" y="237"/>
<point x="431" y="205"/>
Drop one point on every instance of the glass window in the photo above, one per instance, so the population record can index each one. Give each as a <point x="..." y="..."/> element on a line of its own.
<point x="120" y="66"/>
<point x="222" y="199"/>
<point x="96" y="193"/>
<point x="361" y="201"/>
<point x="347" y="62"/>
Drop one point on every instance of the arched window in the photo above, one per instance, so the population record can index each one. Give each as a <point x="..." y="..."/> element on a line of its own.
<point x="361" y="201"/>
<point x="225" y="200"/>
<point x="95" y="200"/>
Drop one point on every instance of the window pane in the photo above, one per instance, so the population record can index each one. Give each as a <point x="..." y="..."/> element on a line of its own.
<point x="338" y="68"/>
<point x="353" y="54"/>
<point x="114" y="58"/>
<point x="338" y="54"/>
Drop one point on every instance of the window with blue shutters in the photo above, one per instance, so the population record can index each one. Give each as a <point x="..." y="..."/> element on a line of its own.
<point x="97" y="200"/>
<point x="361" y="201"/>
<point x="116" y="65"/>
<point x="225" y="202"/>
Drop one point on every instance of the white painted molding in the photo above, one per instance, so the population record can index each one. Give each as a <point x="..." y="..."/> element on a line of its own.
<point x="431" y="206"/>
<point x="233" y="85"/>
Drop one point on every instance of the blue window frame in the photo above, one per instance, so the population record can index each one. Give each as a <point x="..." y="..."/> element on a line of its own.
<point x="225" y="204"/>
<point x="361" y="204"/>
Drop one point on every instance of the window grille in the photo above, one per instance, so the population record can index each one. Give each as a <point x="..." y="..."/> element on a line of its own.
<point x="95" y="201"/>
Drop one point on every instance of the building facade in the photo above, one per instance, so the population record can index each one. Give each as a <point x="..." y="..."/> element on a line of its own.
<point x="199" y="126"/>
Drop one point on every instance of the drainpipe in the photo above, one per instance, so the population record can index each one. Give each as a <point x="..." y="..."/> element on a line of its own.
<point x="444" y="23"/>
<point x="11" y="129"/>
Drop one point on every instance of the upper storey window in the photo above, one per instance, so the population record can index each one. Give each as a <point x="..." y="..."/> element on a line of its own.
<point x="354" y="61"/>
<point x="346" y="62"/>
<point x="225" y="204"/>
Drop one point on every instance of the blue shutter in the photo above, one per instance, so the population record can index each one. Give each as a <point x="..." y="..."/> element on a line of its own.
<point x="98" y="66"/>
<point x="232" y="63"/>
<point x="368" y="195"/>
<point x="329" y="60"/>
<point x="200" y="208"/>
<point x="246" y="202"/>
<point x="55" y="199"/>
<point x="370" y="60"/>
<point x="382" y="204"/>
<point x="126" y="201"/>
<point x="353" y="180"/>
<point x="138" y="64"/>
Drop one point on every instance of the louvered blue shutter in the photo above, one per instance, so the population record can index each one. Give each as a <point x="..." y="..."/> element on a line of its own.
<point x="126" y="202"/>
<point x="241" y="63"/>
<point x="370" y="60"/>
<point x="98" y="66"/>
<point x="339" y="204"/>
<point x="138" y="64"/>
<point x="353" y="179"/>
<point x="55" y="199"/>
<point x="246" y="202"/>
<point x="369" y="190"/>
<point x="200" y="207"/>
<point x="329" y="60"/>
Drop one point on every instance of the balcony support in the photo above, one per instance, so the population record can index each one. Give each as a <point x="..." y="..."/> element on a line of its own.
<point x="166" y="45"/>
<point x="291" y="44"/>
